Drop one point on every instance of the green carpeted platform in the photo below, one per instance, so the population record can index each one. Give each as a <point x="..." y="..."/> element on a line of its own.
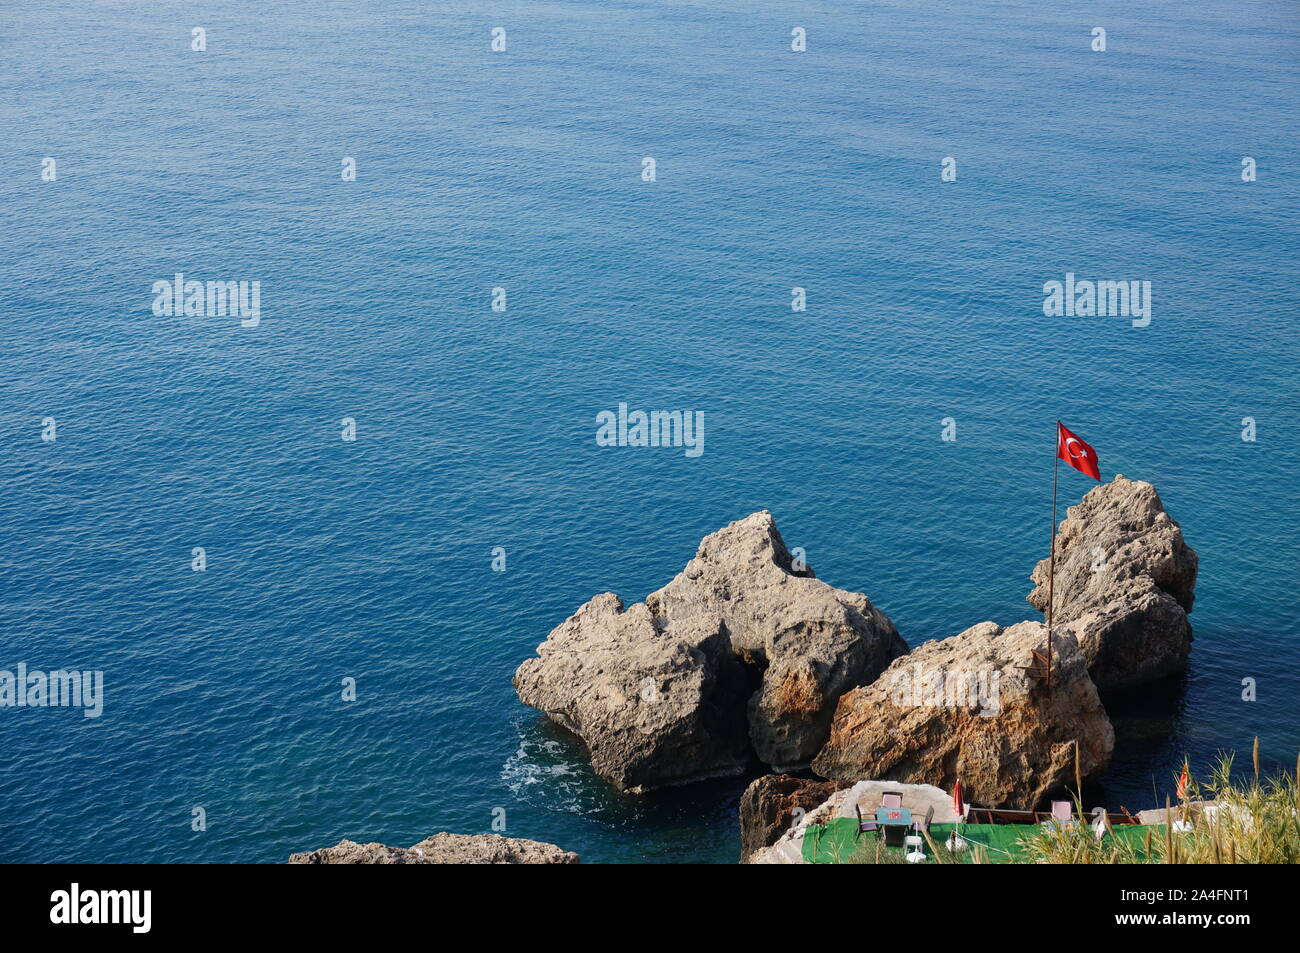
<point x="837" y="842"/>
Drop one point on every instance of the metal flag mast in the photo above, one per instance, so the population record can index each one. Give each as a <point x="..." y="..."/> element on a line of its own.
<point x="1083" y="458"/>
<point x="1040" y="672"/>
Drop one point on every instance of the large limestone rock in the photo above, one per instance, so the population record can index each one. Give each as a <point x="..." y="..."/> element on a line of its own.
<point x="442" y="849"/>
<point x="962" y="709"/>
<point x="775" y="804"/>
<point x="655" y="706"/>
<point x="812" y="642"/>
<point x="1125" y="579"/>
<point x="742" y="653"/>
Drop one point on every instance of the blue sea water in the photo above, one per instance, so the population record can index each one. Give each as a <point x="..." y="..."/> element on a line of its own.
<point x="475" y="429"/>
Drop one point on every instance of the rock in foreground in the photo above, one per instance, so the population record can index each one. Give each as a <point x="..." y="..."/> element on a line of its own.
<point x="743" y="653"/>
<point x="1125" y="580"/>
<point x="773" y="805"/>
<point x="962" y="709"/>
<point x="811" y="641"/>
<point x="442" y="849"/>
<point x="654" y="707"/>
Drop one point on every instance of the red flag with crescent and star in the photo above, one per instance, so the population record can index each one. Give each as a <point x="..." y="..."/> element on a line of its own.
<point x="1076" y="453"/>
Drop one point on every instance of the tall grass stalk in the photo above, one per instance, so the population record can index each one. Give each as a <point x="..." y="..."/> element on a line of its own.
<point x="1255" y="822"/>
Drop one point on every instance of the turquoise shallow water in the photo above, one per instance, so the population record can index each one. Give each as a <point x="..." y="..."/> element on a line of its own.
<point x="521" y="169"/>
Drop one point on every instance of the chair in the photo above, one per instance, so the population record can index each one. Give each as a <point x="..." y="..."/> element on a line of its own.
<point x="1099" y="823"/>
<point x="915" y="840"/>
<point x="865" y="825"/>
<point x="1062" y="813"/>
<point x="915" y="852"/>
<point x="892" y="800"/>
<point x="924" y="825"/>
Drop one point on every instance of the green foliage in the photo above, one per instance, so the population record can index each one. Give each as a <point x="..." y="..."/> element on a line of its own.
<point x="1256" y="822"/>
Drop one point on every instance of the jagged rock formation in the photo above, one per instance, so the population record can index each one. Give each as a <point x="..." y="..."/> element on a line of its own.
<point x="655" y="706"/>
<point x="442" y="849"/>
<point x="745" y="653"/>
<point x="813" y="642"/>
<point x="962" y="708"/>
<point x="773" y="805"/>
<point x="742" y="651"/>
<point x="1124" y="583"/>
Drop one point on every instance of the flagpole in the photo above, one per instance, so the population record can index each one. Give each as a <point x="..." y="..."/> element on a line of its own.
<point x="1051" y="559"/>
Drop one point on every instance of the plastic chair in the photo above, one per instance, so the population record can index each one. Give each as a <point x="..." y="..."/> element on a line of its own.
<point x="1062" y="813"/>
<point x="915" y="852"/>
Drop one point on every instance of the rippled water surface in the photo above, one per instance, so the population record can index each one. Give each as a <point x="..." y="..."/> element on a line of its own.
<point x="371" y="559"/>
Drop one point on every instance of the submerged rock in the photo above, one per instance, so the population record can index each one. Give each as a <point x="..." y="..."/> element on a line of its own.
<point x="962" y="709"/>
<point x="1125" y="581"/>
<point x="442" y="849"/>
<point x="773" y="805"/>
<point x="742" y="653"/>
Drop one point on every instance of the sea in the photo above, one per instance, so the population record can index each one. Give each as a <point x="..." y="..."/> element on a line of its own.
<point x="307" y="543"/>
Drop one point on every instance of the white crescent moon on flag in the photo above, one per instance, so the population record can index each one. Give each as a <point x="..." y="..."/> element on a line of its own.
<point x="1081" y="455"/>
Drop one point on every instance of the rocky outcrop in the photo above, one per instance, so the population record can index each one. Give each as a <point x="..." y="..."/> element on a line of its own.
<point x="1125" y="582"/>
<point x="962" y="709"/>
<point x="743" y="653"/>
<point x="775" y="804"/>
<point x="655" y="706"/>
<point x="442" y="849"/>
<point x="812" y="642"/>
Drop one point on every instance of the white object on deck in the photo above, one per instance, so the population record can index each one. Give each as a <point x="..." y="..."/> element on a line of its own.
<point x="917" y="855"/>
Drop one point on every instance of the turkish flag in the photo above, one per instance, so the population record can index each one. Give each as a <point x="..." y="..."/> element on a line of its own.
<point x="1076" y="453"/>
